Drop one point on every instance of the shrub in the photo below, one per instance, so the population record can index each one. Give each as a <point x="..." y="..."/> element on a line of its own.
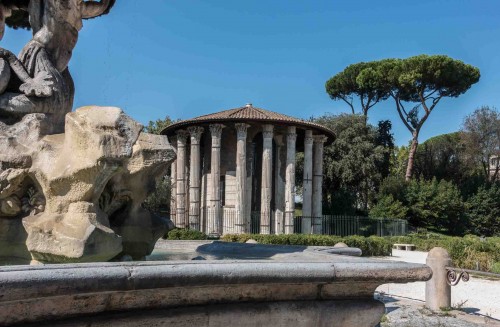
<point x="387" y="207"/>
<point x="186" y="234"/>
<point x="495" y="268"/>
<point x="484" y="210"/>
<point x="370" y="246"/>
<point x="436" y="204"/>
<point x="468" y="252"/>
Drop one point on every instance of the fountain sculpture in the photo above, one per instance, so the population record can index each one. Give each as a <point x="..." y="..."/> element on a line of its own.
<point x="71" y="183"/>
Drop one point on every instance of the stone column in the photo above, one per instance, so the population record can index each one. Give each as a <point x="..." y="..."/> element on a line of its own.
<point x="317" y="196"/>
<point x="437" y="290"/>
<point x="241" y="177"/>
<point x="267" y="179"/>
<point x="291" y="138"/>
<point x="307" y="184"/>
<point x="181" y="179"/>
<point x="194" y="177"/>
<point x="215" y="210"/>
<point x="279" y="185"/>
<point x="173" y="181"/>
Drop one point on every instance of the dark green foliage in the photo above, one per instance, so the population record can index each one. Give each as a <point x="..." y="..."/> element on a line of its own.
<point x="155" y="127"/>
<point x="443" y="157"/>
<point x="186" y="234"/>
<point x="484" y="211"/>
<point x="431" y="204"/>
<point x="468" y="252"/>
<point x="370" y="246"/>
<point x="159" y="201"/>
<point x="436" y="204"/>
<point x="351" y="162"/>
<point x="421" y="78"/>
<point x="385" y="138"/>
<point x="417" y="85"/>
<point x="394" y="186"/>
<point x="388" y="207"/>
<point x="360" y="80"/>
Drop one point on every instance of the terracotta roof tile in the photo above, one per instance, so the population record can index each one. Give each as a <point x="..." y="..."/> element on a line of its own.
<point x="248" y="113"/>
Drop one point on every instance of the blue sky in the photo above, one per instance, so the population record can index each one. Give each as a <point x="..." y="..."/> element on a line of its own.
<point x="185" y="58"/>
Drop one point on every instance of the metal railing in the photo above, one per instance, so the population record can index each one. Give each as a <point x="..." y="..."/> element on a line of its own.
<point x="454" y="275"/>
<point x="227" y="221"/>
<point x="350" y="225"/>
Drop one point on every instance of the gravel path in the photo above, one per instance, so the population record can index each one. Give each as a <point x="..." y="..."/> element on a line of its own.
<point x="478" y="298"/>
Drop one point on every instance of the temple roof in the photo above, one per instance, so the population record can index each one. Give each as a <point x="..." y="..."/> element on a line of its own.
<point x="249" y="114"/>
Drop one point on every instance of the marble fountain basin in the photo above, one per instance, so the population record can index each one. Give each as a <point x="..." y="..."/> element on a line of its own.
<point x="285" y="286"/>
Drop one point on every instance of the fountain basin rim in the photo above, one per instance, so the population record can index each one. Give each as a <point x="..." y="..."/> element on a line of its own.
<point x="22" y="282"/>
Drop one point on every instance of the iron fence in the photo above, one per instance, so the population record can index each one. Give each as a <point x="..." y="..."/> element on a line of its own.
<point x="228" y="221"/>
<point x="350" y="225"/>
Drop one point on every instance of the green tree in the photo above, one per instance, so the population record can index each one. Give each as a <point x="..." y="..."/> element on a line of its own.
<point x="399" y="160"/>
<point x="351" y="162"/>
<point x="388" y="207"/>
<point x="155" y="127"/>
<point x="420" y="82"/>
<point x="443" y="157"/>
<point x="481" y="135"/>
<point x="385" y="138"/>
<point x="361" y="80"/>
<point x="436" y="205"/>
<point x="484" y="211"/>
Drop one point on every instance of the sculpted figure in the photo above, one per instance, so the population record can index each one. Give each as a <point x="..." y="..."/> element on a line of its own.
<point x="39" y="81"/>
<point x="72" y="184"/>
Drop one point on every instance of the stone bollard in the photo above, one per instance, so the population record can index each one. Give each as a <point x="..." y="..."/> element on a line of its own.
<point x="437" y="290"/>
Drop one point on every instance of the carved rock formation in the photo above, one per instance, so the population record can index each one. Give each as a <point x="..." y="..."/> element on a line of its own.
<point x="79" y="194"/>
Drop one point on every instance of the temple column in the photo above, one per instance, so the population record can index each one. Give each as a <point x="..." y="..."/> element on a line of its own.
<point x="279" y="185"/>
<point x="181" y="179"/>
<point x="241" y="177"/>
<point x="307" y="183"/>
<point x="214" y="214"/>
<point x="173" y="182"/>
<point x="194" y="177"/>
<point x="291" y="138"/>
<point x="267" y="179"/>
<point x="317" y="196"/>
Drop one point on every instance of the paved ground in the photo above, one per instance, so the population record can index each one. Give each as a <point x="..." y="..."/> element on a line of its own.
<point x="477" y="301"/>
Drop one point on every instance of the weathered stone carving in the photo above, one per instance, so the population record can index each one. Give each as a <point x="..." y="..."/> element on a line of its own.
<point x="39" y="81"/>
<point x="76" y="180"/>
<point x="79" y="194"/>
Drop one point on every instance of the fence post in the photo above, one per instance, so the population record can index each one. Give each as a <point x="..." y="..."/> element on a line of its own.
<point x="437" y="290"/>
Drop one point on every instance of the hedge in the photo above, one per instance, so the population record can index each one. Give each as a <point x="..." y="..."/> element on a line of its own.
<point x="370" y="246"/>
<point x="468" y="252"/>
<point x="185" y="234"/>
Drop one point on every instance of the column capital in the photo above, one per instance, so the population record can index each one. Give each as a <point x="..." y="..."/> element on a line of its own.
<point x="182" y="136"/>
<point x="267" y="131"/>
<point x="320" y="139"/>
<point x="308" y="138"/>
<point x="195" y="132"/>
<point x="241" y="130"/>
<point x="216" y="130"/>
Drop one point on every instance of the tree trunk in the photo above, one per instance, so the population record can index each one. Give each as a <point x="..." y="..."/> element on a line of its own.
<point x="411" y="156"/>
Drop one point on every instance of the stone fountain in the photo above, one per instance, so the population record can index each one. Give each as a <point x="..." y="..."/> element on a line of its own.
<point x="71" y="189"/>
<point x="71" y="183"/>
